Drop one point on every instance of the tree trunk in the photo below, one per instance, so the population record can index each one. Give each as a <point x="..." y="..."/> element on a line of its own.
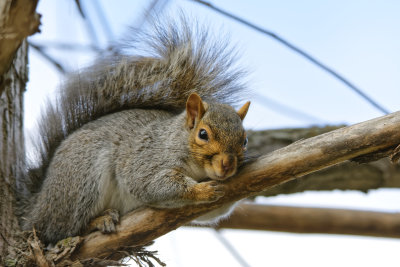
<point x="12" y="149"/>
<point x="18" y="19"/>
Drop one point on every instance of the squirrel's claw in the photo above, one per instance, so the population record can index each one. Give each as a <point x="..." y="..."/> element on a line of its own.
<point x="106" y="223"/>
<point x="206" y="192"/>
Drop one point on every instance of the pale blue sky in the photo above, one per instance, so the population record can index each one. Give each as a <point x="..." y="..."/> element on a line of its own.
<point x="359" y="39"/>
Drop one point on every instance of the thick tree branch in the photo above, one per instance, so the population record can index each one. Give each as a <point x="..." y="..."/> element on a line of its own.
<point x="313" y="220"/>
<point x="343" y="176"/>
<point x="300" y="158"/>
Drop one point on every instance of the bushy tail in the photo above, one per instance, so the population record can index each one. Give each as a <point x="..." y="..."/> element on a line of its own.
<point x="177" y="58"/>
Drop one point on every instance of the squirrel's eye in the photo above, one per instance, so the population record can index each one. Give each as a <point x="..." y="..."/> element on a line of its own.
<point x="203" y="135"/>
<point x="245" y="143"/>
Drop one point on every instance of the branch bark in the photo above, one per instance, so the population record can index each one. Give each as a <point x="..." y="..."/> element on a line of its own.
<point x="300" y="158"/>
<point x="344" y="176"/>
<point x="18" y="20"/>
<point x="313" y="220"/>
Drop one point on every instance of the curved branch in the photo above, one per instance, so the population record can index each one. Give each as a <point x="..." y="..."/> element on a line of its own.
<point x="300" y="158"/>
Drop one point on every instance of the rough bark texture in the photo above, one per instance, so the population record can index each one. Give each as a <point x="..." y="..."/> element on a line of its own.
<point x="313" y="220"/>
<point x="344" y="176"/>
<point x="282" y="165"/>
<point x="12" y="149"/>
<point x="17" y="20"/>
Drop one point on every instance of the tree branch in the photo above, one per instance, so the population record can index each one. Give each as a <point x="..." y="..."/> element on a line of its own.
<point x="18" y="21"/>
<point x="300" y="158"/>
<point x="313" y="220"/>
<point x="344" y="176"/>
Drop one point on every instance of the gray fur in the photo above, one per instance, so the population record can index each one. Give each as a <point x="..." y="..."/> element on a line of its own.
<point x="116" y="135"/>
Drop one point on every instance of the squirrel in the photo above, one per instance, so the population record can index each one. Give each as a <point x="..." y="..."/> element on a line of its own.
<point x="156" y="130"/>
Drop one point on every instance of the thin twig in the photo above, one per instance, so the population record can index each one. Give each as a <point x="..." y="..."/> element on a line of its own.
<point x="286" y="110"/>
<point x="153" y="10"/>
<point x="103" y="20"/>
<point x="41" y="51"/>
<point x="89" y="26"/>
<point x="65" y="46"/>
<point x="230" y="248"/>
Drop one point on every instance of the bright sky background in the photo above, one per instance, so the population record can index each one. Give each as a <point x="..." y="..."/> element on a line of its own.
<point x="359" y="39"/>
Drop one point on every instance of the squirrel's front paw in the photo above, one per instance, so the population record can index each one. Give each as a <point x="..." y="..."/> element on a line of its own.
<point x="106" y="222"/>
<point x="206" y="192"/>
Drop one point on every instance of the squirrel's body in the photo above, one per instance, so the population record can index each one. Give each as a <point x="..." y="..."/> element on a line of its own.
<point x="96" y="145"/>
<point x="131" y="132"/>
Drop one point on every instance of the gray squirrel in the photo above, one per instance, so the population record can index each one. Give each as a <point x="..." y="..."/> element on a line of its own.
<point x="154" y="130"/>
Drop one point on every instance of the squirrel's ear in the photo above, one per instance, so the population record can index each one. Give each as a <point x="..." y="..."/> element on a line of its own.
<point x="194" y="109"/>
<point x="243" y="110"/>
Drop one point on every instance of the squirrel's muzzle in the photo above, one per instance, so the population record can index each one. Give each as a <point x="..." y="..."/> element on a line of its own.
<point x="224" y="165"/>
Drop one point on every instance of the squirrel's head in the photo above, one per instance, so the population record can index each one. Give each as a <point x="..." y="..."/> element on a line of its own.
<point x="217" y="139"/>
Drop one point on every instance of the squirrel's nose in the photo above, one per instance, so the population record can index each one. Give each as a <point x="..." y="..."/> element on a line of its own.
<point x="227" y="163"/>
<point x="224" y="165"/>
